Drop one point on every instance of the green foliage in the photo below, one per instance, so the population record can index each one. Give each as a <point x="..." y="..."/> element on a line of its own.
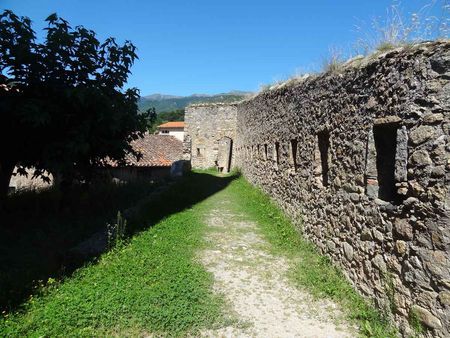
<point x="63" y="99"/>
<point x="312" y="271"/>
<point x="180" y="103"/>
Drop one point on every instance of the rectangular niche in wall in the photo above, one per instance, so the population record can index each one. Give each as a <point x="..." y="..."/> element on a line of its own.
<point x="276" y="155"/>
<point x="293" y="153"/>
<point x="385" y="138"/>
<point x="321" y="166"/>
<point x="265" y="152"/>
<point x="386" y="159"/>
<point x="199" y="152"/>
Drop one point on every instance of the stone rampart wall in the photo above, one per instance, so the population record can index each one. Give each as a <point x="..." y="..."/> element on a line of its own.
<point x="360" y="159"/>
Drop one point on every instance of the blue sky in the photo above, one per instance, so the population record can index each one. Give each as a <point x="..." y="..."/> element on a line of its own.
<point x="212" y="46"/>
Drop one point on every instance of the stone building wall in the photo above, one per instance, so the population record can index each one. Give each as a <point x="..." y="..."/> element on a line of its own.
<point x="206" y="126"/>
<point x="359" y="159"/>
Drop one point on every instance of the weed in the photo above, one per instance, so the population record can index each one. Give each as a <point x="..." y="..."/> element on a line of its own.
<point x="397" y="29"/>
<point x="390" y="291"/>
<point x="116" y="231"/>
<point x="415" y="323"/>
<point x="333" y="63"/>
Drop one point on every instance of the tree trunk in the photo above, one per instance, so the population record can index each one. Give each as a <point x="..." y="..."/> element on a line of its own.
<point x="6" y="170"/>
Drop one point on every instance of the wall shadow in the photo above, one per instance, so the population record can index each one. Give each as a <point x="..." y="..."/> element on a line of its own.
<point x="20" y="276"/>
<point x="188" y="191"/>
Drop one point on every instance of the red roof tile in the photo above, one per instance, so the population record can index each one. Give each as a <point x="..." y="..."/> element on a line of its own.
<point x="172" y="125"/>
<point x="156" y="150"/>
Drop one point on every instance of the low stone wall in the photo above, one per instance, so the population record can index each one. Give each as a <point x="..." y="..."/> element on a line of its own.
<point x="359" y="159"/>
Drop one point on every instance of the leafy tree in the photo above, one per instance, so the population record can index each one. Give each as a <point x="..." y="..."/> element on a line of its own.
<point x="63" y="107"/>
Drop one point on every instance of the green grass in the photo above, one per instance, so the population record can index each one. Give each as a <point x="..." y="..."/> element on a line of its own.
<point x="311" y="271"/>
<point x="35" y="233"/>
<point x="151" y="284"/>
<point x="416" y="324"/>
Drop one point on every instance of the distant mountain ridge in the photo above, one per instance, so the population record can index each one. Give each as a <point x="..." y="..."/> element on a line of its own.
<point x="159" y="97"/>
<point x="166" y="103"/>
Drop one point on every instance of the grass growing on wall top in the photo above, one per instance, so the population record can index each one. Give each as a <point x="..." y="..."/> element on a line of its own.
<point x="311" y="271"/>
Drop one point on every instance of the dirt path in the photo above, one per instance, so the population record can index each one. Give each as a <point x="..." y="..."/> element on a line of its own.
<point x="255" y="283"/>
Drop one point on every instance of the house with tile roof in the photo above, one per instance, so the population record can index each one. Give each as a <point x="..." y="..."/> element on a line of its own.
<point x="159" y="153"/>
<point x="175" y="129"/>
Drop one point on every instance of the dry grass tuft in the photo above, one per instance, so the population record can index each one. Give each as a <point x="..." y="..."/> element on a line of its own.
<point x="397" y="29"/>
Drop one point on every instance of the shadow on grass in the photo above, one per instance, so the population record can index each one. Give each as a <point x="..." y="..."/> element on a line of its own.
<point x="190" y="190"/>
<point x="33" y="247"/>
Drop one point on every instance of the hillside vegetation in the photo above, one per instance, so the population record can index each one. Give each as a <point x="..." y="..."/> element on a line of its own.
<point x="167" y="103"/>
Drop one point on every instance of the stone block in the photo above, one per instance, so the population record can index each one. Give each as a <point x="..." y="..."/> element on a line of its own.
<point x="426" y="317"/>
<point x="420" y="158"/>
<point x="433" y="118"/>
<point x="403" y="229"/>
<point x="444" y="298"/>
<point x="379" y="262"/>
<point x="348" y="251"/>
<point x="400" y="247"/>
<point x="421" y="134"/>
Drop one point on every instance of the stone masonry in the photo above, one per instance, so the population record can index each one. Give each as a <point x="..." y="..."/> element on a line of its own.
<point x="359" y="159"/>
<point x="207" y="127"/>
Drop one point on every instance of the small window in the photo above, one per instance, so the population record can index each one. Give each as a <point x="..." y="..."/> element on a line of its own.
<point x="265" y="152"/>
<point x="321" y="158"/>
<point x="199" y="152"/>
<point x="293" y="153"/>
<point x="385" y="137"/>
<point x="276" y="154"/>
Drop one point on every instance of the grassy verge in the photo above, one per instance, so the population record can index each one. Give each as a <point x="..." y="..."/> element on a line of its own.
<point x="36" y="233"/>
<point x="312" y="271"/>
<point x="152" y="284"/>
